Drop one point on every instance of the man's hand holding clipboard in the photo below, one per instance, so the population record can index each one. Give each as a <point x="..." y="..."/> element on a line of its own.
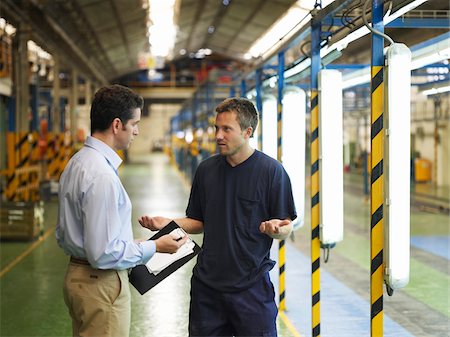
<point x="177" y="248"/>
<point x="170" y="243"/>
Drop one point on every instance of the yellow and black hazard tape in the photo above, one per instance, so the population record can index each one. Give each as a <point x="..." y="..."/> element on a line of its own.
<point x="315" y="214"/>
<point x="22" y="177"/>
<point x="377" y="237"/>
<point x="281" y="247"/>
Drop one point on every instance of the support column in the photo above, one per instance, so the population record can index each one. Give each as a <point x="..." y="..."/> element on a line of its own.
<point x="34" y="88"/>
<point x="377" y="178"/>
<point x="88" y="92"/>
<point x="243" y="88"/>
<point x="56" y="112"/>
<point x="232" y="91"/>
<point x="21" y="78"/>
<point x="193" y="146"/>
<point x="315" y="186"/>
<point x="259" y="106"/>
<point x="281" y="243"/>
<point x="73" y="104"/>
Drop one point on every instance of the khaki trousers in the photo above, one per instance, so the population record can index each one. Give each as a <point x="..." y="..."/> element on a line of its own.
<point x="99" y="301"/>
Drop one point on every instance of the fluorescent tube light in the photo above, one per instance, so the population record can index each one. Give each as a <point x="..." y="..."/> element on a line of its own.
<point x="284" y="28"/>
<point x="397" y="119"/>
<point x="162" y="30"/>
<point x="297" y="68"/>
<point x="293" y="146"/>
<point x="269" y="126"/>
<point x="331" y="157"/>
<point x="358" y="77"/>
<point x="422" y="57"/>
<point x="435" y="91"/>
<point x="435" y="57"/>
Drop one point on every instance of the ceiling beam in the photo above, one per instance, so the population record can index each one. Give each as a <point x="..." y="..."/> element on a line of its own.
<point x="220" y="14"/>
<point x="174" y="93"/>
<point x="122" y="31"/>
<point x="247" y="21"/>
<point x="90" y="34"/>
<point x="49" y="35"/>
<point x="195" y="20"/>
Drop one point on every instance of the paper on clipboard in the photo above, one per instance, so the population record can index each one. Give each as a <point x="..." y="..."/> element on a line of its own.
<point x="143" y="278"/>
<point x="160" y="261"/>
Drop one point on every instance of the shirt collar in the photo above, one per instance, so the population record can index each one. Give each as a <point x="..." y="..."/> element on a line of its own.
<point x="111" y="156"/>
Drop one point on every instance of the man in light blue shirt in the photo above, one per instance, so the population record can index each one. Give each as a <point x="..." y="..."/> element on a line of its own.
<point x="94" y="220"/>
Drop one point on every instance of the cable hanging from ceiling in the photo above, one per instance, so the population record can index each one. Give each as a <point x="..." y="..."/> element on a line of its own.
<point x="373" y="30"/>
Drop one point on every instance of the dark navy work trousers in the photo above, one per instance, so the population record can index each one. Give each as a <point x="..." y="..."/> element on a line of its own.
<point x="251" y="312"/>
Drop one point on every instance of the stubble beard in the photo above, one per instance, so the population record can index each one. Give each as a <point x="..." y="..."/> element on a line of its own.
<point x="232" y="152"/>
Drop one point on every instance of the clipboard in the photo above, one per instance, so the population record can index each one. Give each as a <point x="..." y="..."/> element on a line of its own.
<point x="141" y="277"/>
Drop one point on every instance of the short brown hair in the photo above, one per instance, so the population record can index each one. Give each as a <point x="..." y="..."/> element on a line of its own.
<point x="113" y="101"/>
<point x="247" y="116"/>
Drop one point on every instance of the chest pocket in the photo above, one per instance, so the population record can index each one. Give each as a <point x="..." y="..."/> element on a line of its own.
<point x="247" y="213"/>
<point x="248" y="237"/>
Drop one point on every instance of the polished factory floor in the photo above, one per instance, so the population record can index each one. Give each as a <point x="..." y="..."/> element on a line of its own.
<point x="31" y="273"/>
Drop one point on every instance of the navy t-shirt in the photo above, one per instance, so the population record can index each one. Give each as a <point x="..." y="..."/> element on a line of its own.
<point x="232" y="202"/>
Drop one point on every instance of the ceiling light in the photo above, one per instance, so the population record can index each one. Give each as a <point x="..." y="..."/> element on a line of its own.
<point x="355" y="78"/>
<point x="288" y="25"/>
<point x="202" y="53"/>
<point x="162" y="30"/>
<point x="437" y="56"/>
<point x="436" y="51"/>
<point x="297" y="68"/>
<point x="277" y="31"/>
<point x="5" y="26"/>
<point x="327" y="56"/>
<point x="435" y="91"/>
<point x="37" y="52"/>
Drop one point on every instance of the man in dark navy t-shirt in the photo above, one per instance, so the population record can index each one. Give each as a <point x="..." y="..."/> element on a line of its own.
<point x="241" y="199"/>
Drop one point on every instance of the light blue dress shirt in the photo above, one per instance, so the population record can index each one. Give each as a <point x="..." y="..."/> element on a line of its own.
<point x="94" y="215"/>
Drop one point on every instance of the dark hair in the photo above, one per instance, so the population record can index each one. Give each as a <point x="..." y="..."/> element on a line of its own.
<point x="113" y="101"/>
<point x="244" y="109"/>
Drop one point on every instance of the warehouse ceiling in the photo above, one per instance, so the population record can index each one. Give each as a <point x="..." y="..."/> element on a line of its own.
<point x="105" y="38"/>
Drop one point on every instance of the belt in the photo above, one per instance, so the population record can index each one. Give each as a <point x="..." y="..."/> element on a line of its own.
<point x="79" y="260"/>
<point x="84" y="262"/>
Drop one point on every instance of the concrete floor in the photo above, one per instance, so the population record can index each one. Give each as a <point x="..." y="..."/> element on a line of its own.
<point x="31" y="273"/>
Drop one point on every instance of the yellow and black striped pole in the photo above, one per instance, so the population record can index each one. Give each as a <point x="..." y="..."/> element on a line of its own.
<point x="377" y="180"/>
<point x="33" y="178"/>
<point x="258" y="99"/>
<point x="315" y="200"/>
<point x="55" y="154"/>
<point x="12" y="181"/>
<point x="315" y="214"/>
<point x="22" y="162"/>
<point x="282" y="247"/>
